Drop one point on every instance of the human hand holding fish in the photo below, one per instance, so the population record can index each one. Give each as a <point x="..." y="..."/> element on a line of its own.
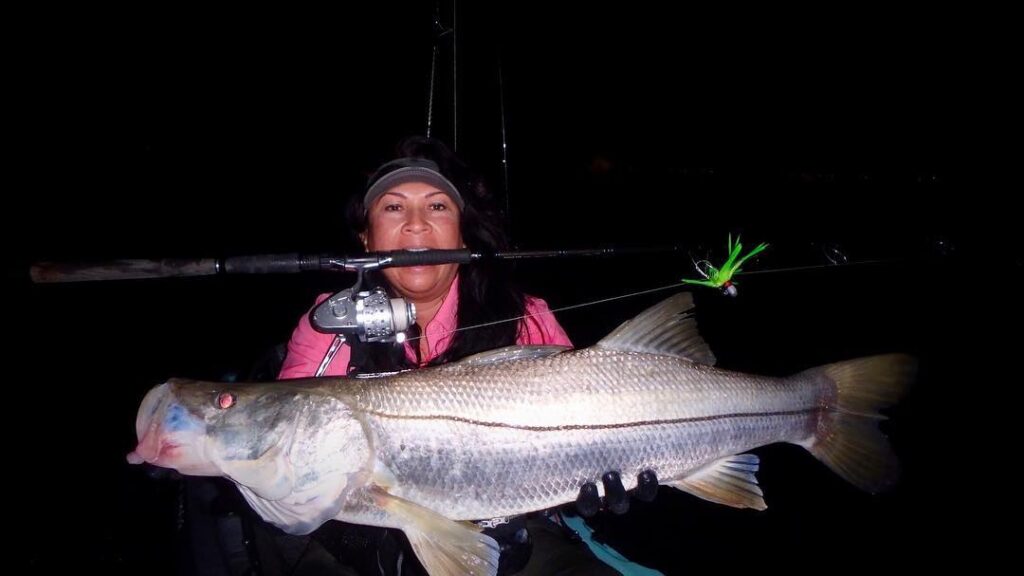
<point x="516" y="430"/>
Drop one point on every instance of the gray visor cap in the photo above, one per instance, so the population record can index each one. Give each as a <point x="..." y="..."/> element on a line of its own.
<point x="405" y="170"/>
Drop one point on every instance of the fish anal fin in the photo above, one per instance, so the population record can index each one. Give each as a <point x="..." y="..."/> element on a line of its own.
<point x="728" y="481"/>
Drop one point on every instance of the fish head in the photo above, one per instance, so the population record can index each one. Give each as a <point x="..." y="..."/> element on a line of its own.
<point x="212" y="428"/>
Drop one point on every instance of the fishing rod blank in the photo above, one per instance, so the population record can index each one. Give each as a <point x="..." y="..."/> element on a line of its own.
<point x="292" y="263"/>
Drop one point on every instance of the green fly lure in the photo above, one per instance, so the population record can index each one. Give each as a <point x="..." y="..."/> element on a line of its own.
<point x="722" y="277"/>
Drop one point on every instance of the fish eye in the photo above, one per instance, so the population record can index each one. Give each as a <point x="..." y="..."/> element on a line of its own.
<point x="225" y="400"/>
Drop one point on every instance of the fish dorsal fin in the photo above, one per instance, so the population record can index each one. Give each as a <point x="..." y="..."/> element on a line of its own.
<point x="510" y="353"/>
<point x="667" y="328"/>
<point x="445" y="547"/>
<point x="728" y="481"/>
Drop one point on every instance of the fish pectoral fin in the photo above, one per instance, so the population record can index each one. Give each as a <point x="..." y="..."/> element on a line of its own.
<point x="445" y="547"/>
<point x="667" y="328"/>
<point x="269" y="476"/>
<point x="728" y="481"/>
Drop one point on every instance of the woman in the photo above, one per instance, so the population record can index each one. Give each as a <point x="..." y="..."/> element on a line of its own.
<point x="428" y="199"/>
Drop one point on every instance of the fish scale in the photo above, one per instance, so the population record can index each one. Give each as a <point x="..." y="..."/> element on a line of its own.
<point x="443" y="460"/>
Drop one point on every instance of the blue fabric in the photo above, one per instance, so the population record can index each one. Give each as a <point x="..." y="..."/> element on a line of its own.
<point x="607" y="554"/>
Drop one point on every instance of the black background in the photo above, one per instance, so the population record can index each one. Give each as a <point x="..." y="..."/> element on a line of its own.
<point x="193" y="134"/>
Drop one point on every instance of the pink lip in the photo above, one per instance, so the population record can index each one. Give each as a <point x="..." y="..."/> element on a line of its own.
<point x="152" y="449"/>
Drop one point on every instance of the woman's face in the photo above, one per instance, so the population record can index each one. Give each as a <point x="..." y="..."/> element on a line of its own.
<point x="410" y="216"/>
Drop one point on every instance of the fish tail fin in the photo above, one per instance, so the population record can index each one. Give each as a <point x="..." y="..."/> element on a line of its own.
<point x="847" y="438"/>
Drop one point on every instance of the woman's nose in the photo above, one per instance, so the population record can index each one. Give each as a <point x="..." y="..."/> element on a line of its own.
<point x="416" y="222"/>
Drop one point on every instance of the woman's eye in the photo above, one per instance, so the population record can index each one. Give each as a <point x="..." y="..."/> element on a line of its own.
<point x="438" y="206"/>
<point x="392" y="207"/>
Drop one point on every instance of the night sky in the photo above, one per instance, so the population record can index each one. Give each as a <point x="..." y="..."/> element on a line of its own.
<point x="847" y="136"/>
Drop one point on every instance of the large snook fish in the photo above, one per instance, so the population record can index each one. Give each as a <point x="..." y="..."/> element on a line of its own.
<point x="516" y="430"/>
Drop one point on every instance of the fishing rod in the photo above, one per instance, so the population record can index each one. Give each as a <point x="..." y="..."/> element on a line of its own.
<point x="372" y="315"/>
<point x="292" y="263"/>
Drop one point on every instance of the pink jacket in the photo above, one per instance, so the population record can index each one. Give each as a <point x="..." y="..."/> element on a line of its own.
<point x="307" y="347"/>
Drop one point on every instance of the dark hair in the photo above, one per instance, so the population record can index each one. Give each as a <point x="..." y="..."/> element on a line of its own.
<point x="486" y="293"/>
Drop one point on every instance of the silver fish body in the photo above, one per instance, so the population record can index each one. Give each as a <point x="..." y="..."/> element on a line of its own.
<point x="520" y="436"/>
<point x="516" y="430"/>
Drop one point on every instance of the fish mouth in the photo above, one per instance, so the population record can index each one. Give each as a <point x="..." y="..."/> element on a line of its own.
<point x="164" y="451"/>
<point x="147" y="426"/>
<point x="158" y="426"/>
<point x="169" y="436"/>
<point x="144" y="453"/>
<point x="155" y="445"/>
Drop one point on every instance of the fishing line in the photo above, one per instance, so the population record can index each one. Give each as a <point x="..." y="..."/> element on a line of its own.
<point x="455" y="78"/>
<point x="562" y="309"/>
<point x="817" y="266"/>
<point x="652" y="290"/>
